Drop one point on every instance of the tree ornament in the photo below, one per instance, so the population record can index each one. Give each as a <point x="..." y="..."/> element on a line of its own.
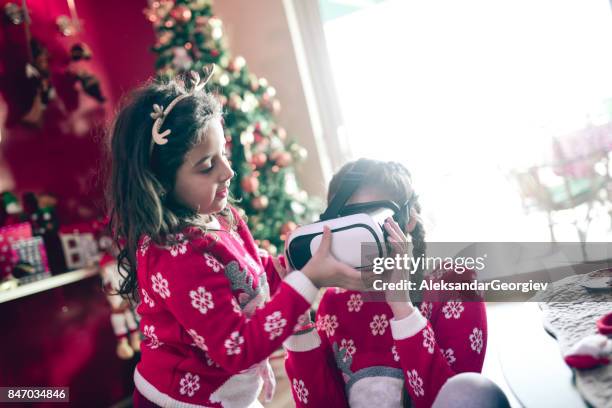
<point x="201" y="21"/>
<point x="91" y="85"/>
<point x="260" y="159"/>
<point x="66" y="26"/>
<point x="165" y="37"/>
<point x="283" y="159"/>
<point x="253" y="82"/>
<point x="276" y="106"/>
<point x="14" y="13"/>
<point x="246" y="138"/>
<point x="282" y="133"/>
<point x="182" y="60"/>
<point x="260" y="203"/>
<point x="236" y="64"/>
<point x="288" y="227"/>
<point x="182" y="14"/>
<point x="250" y="184"/>
<point x="235" y="101"/>
<point x="80" y="51"/>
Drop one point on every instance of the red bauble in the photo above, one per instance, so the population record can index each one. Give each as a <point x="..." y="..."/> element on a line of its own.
<point x="260" y="203"/>
<point x="288" y="227"/>
<point x="283" y="159"/>
<point x="181" y="14"/>
<point x="260" y="159"/>
<point x="250" y="184"/>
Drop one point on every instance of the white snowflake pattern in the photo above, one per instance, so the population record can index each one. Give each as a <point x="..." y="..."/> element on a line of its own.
<point x="198" y="340"/>
<point x="301" y="321"/>
<point x="201" y="300"/>
<point x="476" y="340"/>
<point x="396" y="356"/>
<point x="416" y="382"/>
<point x="300" y="390"/>
<point x="449" y="354"/>
<point x="178" y="244"/>
<point x="146" y="242"/>
<point x="149" y="332"/>
<point x="426" y="308"/>
<point x="190" y="383"/>
<point x="147" y="299"/>
<point x="275" y="324"/>
<point x="213" y="263"/>
<point x="328" y="324"/>
<point x="379" y="324"/>
<point x="254" y="265"/>
<point x="429" y="340"/>
<point x="349" y="346"/>
<point x="452" y="309"/>
<point x="232" y="345"/>
<point x="160" y="285"/>
<point x="354" y="303"/>
<point x="339" y="290"/>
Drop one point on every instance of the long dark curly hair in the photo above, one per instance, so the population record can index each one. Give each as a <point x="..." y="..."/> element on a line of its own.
<point x="140" y="192"/>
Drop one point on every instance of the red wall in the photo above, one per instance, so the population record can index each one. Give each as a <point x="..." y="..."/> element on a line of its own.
<point x="63" y="337"/>
<point x="64" y="157"/>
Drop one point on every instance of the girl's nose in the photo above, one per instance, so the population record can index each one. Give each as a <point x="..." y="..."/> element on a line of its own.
<point x="228" y="173"/>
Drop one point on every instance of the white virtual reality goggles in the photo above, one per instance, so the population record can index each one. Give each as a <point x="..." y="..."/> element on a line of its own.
<point x="351" y="226"/>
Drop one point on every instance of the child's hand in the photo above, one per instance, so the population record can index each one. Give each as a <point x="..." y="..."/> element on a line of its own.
<point x="325" y="270"/>
<point x="398" y="300"/>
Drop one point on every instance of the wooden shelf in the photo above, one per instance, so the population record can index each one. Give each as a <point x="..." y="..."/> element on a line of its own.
<point x="48" y="283"/>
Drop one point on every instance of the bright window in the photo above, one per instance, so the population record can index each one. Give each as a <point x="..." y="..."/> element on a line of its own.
<point x="463" y="91"/>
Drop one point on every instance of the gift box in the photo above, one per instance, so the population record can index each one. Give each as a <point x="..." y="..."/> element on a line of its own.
<point x="80" y="243"/>
<point x="32" y="252"/>
<point x="9" y="235"/>
<point x="80" y="250"/>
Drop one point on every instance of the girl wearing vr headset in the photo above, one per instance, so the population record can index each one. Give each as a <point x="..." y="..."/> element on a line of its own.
<point x="203" y="286"/>
<point x="388" y="353"/>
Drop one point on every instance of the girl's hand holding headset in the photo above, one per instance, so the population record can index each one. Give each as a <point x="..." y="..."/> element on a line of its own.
<point x="399" y="300"/>
<point x="324" y="270"/>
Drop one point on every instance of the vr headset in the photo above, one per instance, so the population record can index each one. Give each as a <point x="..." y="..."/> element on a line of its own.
<point x="351" y="225"/>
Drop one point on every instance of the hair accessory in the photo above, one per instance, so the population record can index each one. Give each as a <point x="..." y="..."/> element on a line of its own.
<point x="159" y="114"/>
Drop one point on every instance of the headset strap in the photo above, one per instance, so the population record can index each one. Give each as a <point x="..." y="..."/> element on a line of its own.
<point x="348" y="184"/>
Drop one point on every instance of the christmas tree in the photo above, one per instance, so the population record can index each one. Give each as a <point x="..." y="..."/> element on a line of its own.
<point x="190" y="37"/>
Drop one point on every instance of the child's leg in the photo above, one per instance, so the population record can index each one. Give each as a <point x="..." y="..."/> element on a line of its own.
<point x="470" y="390"/>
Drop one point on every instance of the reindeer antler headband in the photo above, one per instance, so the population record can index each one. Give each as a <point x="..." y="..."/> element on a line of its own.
<point x="160" y="114"/>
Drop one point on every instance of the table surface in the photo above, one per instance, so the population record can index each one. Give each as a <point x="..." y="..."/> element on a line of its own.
<point x="531" y="360"/>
